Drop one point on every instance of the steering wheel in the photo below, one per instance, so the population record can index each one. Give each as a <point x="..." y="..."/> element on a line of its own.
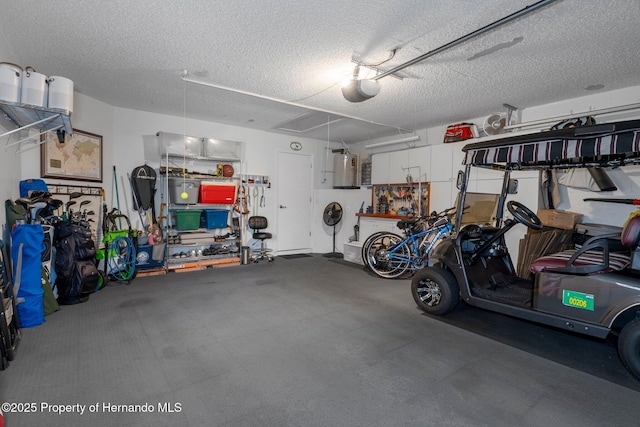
<point x="524" y="215"/>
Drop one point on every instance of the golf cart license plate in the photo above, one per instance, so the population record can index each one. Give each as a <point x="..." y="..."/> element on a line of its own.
<point x="577" y="300"/>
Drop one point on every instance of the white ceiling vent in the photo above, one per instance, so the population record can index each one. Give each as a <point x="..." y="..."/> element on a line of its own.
<point x="309" y="121"/>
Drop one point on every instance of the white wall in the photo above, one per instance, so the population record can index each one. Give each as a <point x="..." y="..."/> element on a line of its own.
<point x="88" y="115"/>
<point x="10" y="167"/>
<point x="127" y="135"/>
<point x="441" y="162"/>
<point x="627" y="179"/>
<point x="129" y="140"/>
<point x="350" y="200"/>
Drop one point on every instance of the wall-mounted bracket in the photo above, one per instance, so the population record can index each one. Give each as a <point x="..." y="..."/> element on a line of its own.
<point x="24" y="116"/>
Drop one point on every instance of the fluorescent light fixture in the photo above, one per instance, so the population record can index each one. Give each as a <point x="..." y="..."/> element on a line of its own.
<point x="394" y="141"/>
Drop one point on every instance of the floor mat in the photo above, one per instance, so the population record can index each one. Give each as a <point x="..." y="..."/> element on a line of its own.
<point x="348" y="263"/>
<point x="294" y="256"/>
<point x="587" y="354"/>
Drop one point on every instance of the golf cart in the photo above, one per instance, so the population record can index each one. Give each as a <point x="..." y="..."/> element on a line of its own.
<point x="592" y="290"/>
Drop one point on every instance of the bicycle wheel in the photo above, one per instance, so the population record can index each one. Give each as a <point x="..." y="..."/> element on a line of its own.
<point x="364" y="253"/>
<point x="388" y="256"/>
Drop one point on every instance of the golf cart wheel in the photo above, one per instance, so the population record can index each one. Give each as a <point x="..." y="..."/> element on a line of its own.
<point x="629" y="347"/>
<point x="435" y="290"/>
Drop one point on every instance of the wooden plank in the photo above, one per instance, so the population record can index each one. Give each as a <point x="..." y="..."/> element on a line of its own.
<point x="144" y="273"/>
<point x="229" y="264"/>
<point x="188" y="269"/>
<point x="204" y="264"/>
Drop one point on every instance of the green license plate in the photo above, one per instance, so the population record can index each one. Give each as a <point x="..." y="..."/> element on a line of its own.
<point x="578" y="300"/>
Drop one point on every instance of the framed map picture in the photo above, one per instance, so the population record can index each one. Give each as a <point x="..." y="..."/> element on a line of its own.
<point x="78" y="158"/>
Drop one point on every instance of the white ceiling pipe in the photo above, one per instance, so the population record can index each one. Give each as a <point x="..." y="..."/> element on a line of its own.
<point x="575" y="116"/>
<point x="393" y="142"/>
<point x="185" y="78"/>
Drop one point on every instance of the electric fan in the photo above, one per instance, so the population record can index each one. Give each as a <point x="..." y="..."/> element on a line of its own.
<point x="331" y="216"/>
<point x="495" y="124"/>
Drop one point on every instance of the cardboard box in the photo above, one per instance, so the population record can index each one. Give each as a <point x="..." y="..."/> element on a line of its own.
<point x="559" y="219"/>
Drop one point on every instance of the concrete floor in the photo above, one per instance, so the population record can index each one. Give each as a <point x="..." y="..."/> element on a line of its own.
<point x="298" y="342"/>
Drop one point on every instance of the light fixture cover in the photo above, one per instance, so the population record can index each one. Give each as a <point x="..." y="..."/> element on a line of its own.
<point x="360" y="90"/>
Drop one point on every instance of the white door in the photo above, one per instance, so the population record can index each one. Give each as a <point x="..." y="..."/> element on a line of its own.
<point x="295" y="191"/>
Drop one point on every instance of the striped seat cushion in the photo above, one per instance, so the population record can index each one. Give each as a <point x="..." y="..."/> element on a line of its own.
<point x="617" y="261"/>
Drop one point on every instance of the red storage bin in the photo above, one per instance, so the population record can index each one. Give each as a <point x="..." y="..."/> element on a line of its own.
<point x="219" y="193"/>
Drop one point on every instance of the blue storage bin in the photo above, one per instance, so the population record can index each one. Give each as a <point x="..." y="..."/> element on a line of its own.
<point x="214" y="218"/>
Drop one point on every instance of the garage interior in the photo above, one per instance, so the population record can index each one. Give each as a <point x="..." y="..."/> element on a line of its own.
<point x="314" y="337"/>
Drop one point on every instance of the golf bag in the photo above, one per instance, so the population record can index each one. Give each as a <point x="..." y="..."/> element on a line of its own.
<point x="77" y="275"/>
<point x="26" y="252"/>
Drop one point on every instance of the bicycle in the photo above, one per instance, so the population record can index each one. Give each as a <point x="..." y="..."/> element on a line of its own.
<point x="389" y="255"/>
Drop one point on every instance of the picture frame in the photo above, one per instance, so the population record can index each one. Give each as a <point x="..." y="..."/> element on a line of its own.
<point x="79" y="158"/>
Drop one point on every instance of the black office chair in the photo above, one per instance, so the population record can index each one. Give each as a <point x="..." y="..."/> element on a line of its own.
<point x="259" y="223"/>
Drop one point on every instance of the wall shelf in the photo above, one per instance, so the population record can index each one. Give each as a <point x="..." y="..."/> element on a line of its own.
<point x="179" y="146"/>
<point x="24" y="116"/>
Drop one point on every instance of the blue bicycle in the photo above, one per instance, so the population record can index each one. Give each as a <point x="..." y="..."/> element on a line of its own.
<point x="390" y="256"/>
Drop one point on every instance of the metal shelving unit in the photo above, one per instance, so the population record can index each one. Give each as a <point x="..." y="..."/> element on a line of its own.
<point x="201" y="247"/>
<point x="24" y="116"/>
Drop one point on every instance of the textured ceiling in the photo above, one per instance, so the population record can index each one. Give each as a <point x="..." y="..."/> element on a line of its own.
<point x="131" y="54"/>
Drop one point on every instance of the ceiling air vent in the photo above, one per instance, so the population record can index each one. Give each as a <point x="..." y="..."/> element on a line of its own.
<point x="308" y="122"/>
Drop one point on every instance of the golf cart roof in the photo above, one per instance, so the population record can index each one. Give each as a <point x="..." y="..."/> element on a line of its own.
<point x="608" y="144"/>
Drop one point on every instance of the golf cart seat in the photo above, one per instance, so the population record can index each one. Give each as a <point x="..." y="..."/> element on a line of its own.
<point x="594" y="256"/>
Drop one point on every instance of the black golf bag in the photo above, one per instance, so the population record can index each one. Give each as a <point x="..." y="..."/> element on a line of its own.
<point x="77" y="275"/>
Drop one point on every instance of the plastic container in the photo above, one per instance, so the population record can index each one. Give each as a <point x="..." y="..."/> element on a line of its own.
<point x="60" y="93"/>
<point x="10" y="82"/>
<point x="219" y="193"/>
<point x="188" y="219"/>
<point x="34" y="89"/>
<point x="178" y="185"/>
<point x="214" y="218"/>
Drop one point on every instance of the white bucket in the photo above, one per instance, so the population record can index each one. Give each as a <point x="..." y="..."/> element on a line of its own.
<point x="61" y="93"/>
<point x="34" y="88"/>
<point x="10" y="82"/>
